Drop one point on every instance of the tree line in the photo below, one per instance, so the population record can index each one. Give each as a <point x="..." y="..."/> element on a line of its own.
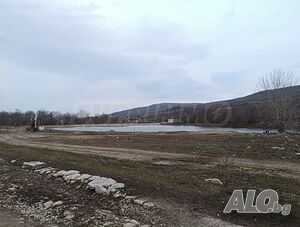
<point x="44" y="117"/>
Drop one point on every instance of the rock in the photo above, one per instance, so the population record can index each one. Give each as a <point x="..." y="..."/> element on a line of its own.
<point x="118" y="194"/>
<point x="111" y="190"/>
<point x="249" y="147"/>
<point x="13" y="161"/>
<point x="69" y="215"/>
<point x="148" y="204"/>
<point x="93" y="184"/>
<point x="57" y="203"/>
<point x="139" y="201"/>
<point x="84" y="177"/>
<point x="72" y="177"/>
<point x="115" y="187"/>
<point x="134" y="222"/>
<point x="131" y="223"/>
<point x="12" y="188"/>
<point x="66" y="173"/>
<point x="48" y="204"/>
<point x="297" y="153"/>
<point x="130" y="197"/>
<point x="108" y="182"/>
<point x="278" y="148"/>
<point x="60" y="173"/>
<point x="214" y="181"/>
<point x="95" y="178"/>
<point x="33" y="163"/>
<point x="45" y="170"/>
<point x="71" y="172"/>
<point x="103" y="182"/>
<point x="100" y="190"/>
<point x="163" y="162"/>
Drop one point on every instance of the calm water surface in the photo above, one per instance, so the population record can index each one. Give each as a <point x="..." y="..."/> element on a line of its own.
<point x="157" y="128"/>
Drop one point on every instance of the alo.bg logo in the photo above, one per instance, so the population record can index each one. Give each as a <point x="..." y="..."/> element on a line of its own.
<point x="266" y="202"/>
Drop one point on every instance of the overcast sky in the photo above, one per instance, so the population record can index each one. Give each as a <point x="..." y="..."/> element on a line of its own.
<point x="109" y="55"/>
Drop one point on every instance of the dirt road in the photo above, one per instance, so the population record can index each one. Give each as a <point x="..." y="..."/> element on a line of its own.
<point x="26" y="139"/>
<point x="32" y="140"/>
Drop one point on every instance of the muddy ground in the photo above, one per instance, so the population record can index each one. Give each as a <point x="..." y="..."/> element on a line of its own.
<point x="167" y="168"/>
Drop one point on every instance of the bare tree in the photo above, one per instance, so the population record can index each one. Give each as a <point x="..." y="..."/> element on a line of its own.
<point x="227" y="163"/>
<point x="279" y="108"/>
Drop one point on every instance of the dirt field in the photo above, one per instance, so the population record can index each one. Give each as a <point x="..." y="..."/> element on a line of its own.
<point x="44" y="141"/>
<point x="170" y="169"/>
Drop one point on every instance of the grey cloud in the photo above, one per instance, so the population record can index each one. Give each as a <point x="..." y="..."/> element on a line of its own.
<point x="168" y="40"/>
<point x="177" y="85"/>
<point x="78" y="54"/>
<point x="62" y="42"/>
<point x="231" y="79"/>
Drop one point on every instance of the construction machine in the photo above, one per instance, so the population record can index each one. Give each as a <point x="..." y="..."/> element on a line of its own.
<point x="33" y="125"/>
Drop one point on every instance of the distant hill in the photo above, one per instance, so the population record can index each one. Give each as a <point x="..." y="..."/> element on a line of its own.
<point x="244" y="111"/>
<point x="148" y="110"/>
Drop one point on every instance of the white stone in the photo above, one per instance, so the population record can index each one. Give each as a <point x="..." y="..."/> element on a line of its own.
<point x="48" y="204"/>
<point x="108" y="182"/>
<point x="33" y="163"/>
<point x="57" y="203"/>
<point x="139" y="201"/>
<point x="92" y="184"/>
<point x="214" y="181"/>
<point x="60" y="173"/>
<point x="115" y="187"/>
<point x="118" y="194"/>
<point x="134" y="222"/>
<point x="66" y="173"/>
<point x="130" y="197"/>
<point x="95" y="178"/>
<point x="12" y="188"/>
<point x="68" y="215"/>
<point x="278" y="148"/>
<point x="97" y="186"/>
<point x="13" y="161"/>
<point x="297" y="153"/>
<point x="104" y="182"/>
<point x="84" y="177"/>
<point x="148" y="204"/>
<point x="100" y="190"/>
<point x="129" y="225"/>
<point x="72" y="177"/>
<point x="45" y="170"/>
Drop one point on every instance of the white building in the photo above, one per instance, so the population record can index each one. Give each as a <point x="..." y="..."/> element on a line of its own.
<point x="171" y="121"/>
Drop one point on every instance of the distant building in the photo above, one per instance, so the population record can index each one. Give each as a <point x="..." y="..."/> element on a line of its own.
<point x="171" y="121"/>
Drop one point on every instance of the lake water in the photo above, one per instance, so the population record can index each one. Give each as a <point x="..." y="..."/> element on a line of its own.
<point x="157" y="128"/>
